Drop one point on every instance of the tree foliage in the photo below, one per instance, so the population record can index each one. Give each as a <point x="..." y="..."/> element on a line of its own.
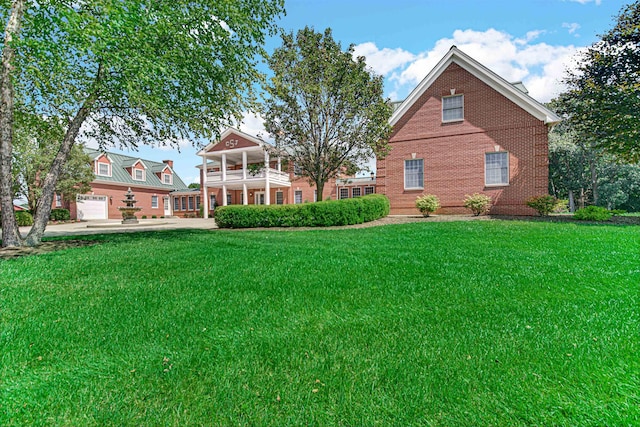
<point x="36" y="142"/>
<point x="603" y="102"/>
<point x="127" y="72"/>
<point x="324" y="108"/>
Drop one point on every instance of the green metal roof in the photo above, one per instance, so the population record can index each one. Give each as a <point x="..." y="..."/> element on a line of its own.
<point x="119" y="174"/>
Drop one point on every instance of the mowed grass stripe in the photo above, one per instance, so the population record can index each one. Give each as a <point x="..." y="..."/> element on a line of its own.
<point x="464" y="323"/>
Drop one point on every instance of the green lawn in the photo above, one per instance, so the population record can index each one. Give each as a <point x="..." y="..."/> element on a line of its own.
<point x="425" y="324"/>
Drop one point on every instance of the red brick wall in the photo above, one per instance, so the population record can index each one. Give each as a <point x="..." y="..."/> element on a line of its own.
<point x="115" y="196"/>
<point x="454" y="153"/>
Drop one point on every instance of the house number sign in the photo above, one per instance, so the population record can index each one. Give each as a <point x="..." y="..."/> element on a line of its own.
<point x="232" y="143"/>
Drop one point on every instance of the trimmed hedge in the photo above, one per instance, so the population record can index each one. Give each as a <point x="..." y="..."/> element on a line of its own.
<point x="59" y="215"/>
<point x="592" y="213"/>
<point x="319" y="214"/>
<point x="24" y="218"/>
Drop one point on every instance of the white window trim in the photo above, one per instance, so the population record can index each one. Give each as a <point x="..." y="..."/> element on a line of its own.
<point x="508" y="170"/>
<point x="373" y="189"/>
<point x="164" y="178"/>
<point x="133" y="174"/>
<point x="442" y="109"/>
<point x="58" y="200"/>
<point x="108" y="165"/>
<point x="154" y="205"/>
<point x="340" y="192"/>
<point x="404" y="182"/>
<point x="356" y="188"/>
<point x="295" y="193"/>
<point x="280" y="194"/>
<point x="190" y="203"/>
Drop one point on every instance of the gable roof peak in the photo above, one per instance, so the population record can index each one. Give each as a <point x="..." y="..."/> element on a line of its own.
<point x="499" y="84"/>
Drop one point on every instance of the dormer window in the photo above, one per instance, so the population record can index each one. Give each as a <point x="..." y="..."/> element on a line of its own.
<point x="167" y="178"/>
<point x="453" y="108"/>
<point x="104" y="169"/>
<point x="138" y="174"/>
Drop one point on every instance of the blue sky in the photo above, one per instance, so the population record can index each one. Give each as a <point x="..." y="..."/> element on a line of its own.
<point x="533" y="41"/>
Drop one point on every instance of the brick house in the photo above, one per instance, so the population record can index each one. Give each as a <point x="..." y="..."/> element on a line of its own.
<point x="155" y="184"/>
<point x="466" y="130"/>
<point x="242" y="169"/>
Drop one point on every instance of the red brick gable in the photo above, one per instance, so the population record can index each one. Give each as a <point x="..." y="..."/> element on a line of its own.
<point x="454" y="153"/>
<point x="232" y="141"/>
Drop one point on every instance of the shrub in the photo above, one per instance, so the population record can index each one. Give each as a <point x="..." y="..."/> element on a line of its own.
<point x="24" y="218"/>
<point x="543" y="204"/>
<point x="319" y="214"/>
<point x="153" y="217"/>
<point x="143" y="217"/>
<point x="592" y="213"/>
<point x="562" y="205"/>
<point x="477" y="203"/>
<point x="617" y="212"/>
<point x="427" y="204"/>
<point x="59" y="215"/>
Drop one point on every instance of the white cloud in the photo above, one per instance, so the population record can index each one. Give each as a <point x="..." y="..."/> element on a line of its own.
<point x="385" y="60"/>
<point x="597" y="2"/>
<point x="538" y="65"/>
<point x="572" y="27"/>
<point x="253" y="124"/>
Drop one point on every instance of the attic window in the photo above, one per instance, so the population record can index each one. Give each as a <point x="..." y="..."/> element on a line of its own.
<point x="167" y="178"/>
<point x="104" y="169"/>
<point x="453" y="108"/>
<point x="138" y="174"/>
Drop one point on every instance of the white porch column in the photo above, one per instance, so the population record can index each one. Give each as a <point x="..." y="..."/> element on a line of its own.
<point x="245" y="196"/>
<point x="205" y="200"/>
<point x="279" y="164"/>
<point x="244" y="166"/>
<point x="223" y="167"/>
<point x="267" y="189"/>
<point x="224" y="195"/>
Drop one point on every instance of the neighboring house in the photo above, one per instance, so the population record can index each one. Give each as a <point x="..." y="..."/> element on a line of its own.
<point x="155" y="185"/>
<point x="466" y="130"/>
<point x="242" y="169"/>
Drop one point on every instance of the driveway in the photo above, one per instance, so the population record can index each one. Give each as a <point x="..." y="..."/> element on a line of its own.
<point x="115" y="226"/>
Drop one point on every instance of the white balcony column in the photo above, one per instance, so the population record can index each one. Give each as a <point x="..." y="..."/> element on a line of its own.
<point x="267" y="189"/>
<point x="279" y="164"/>
<point x="244" y="167"/>
<point x="205" y="209"/>
<point x="245" y="196"/>
<point x="224" y="195"/>
<point x="223" y="168"/>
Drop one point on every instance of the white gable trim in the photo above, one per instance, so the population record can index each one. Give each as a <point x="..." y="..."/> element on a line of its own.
<point x="487" y="76"/>
<point x="227" y="133"/>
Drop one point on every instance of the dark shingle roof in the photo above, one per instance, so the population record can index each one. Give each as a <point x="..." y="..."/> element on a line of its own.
<point x="119" y="174"/>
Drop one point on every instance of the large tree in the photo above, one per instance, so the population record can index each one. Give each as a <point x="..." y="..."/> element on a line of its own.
<point x="131" y="71"/>
<point x="604" y="94"/>
<point x="324" y="108"/>
<point x="36" y="142"/>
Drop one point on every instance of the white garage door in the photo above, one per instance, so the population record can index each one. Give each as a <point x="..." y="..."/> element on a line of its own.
<point x="91" y="207"/>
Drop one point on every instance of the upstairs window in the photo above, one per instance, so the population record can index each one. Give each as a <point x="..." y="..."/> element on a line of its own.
<point x="104" y="169"/>
<point x="138" y="174"/>
<point x="452" y="108"/>
<point x="167" y="178"/>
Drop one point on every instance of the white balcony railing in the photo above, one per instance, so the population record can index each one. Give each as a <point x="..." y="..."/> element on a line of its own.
<point x="235" y="176"/>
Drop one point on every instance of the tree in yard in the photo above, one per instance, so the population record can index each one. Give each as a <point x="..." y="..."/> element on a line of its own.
<point x="324" y="108"/>
<point x="36" y="142"/>
<point x="131" y="71"/>
<point x="604" y="94"/>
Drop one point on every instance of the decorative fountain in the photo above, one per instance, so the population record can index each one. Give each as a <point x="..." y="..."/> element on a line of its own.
<point x="129" y="210"/>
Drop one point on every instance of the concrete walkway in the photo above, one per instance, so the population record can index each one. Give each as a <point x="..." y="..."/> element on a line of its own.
<point x="116" y="226"/>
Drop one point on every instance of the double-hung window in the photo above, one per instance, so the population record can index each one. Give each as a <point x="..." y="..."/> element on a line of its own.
<point x="297" y="197"/>
<point x="154" y="202"/>
<point x="104" y="169"/>
<point x="279" y="197"/>
<point x="452" y="108"/>
<point x="496" y="168"/>
<point x="138" y="174"/>
<point x="414" y="174"/>
<point x="356" y="192"/>
<point x="344" y="193"/>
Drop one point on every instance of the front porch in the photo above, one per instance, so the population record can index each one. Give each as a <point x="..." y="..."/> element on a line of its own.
<point x="241" y="163"/>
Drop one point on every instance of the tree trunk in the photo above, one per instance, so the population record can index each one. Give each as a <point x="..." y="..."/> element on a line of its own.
<point x="319" y="189"/>
<point x="572" y="202"/>
<point x="43" y="207"/>
<point x="594" y="181"/>
<point x="10" y="233"/>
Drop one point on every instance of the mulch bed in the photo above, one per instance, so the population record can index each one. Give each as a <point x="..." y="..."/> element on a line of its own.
<point x="45" y="247"/>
